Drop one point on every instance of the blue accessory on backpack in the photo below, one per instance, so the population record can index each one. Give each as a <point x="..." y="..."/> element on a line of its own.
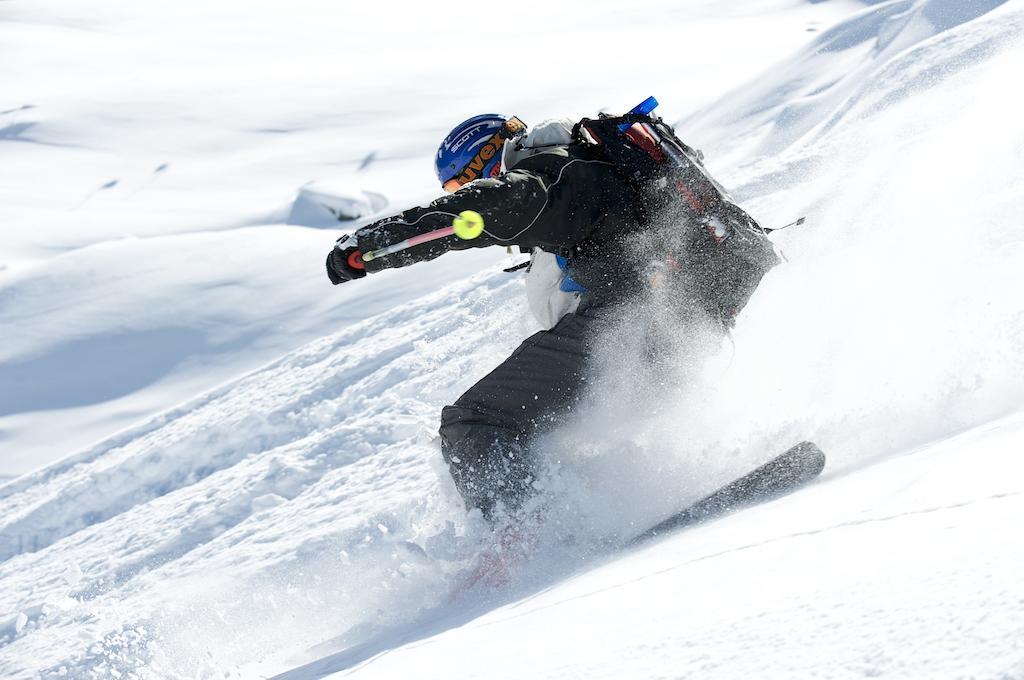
<point x="642" y="109"/>
<point x="462" y="143"/>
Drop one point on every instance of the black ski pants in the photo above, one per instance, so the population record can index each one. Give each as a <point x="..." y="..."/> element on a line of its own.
<point x="486" y="434"/>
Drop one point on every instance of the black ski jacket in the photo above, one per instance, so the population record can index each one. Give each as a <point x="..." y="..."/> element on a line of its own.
<point x="564" y="200"/>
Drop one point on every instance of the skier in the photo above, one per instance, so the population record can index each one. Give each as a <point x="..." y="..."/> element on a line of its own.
<point x="609" y="209"/>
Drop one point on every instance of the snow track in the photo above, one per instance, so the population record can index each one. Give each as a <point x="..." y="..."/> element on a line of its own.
<point x="310" y="398"/>
<point x="321" y="438"/>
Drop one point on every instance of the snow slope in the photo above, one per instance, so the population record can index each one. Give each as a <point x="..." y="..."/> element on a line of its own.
<point x="902" y="570"/>
<point x="294" y="520"/>
<point x="157" y="161"/>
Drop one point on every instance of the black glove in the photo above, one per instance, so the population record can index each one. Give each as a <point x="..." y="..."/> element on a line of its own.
<point x="345" y="262"/>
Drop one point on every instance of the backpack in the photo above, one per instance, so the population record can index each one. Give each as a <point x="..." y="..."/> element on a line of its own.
<point x="716" y="253"/>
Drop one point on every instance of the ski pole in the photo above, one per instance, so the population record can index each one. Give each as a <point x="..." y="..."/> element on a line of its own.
<point x="467" y="226"/>
<point x="794" y="223"/>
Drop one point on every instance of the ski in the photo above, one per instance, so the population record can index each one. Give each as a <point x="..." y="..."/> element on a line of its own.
<point x="777" y="477"/>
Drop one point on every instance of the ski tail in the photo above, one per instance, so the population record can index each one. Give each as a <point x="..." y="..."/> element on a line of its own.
<point x="779" y="476"/>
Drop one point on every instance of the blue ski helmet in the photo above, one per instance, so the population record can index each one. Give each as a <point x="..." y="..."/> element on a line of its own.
<point x="468" y="143"/>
